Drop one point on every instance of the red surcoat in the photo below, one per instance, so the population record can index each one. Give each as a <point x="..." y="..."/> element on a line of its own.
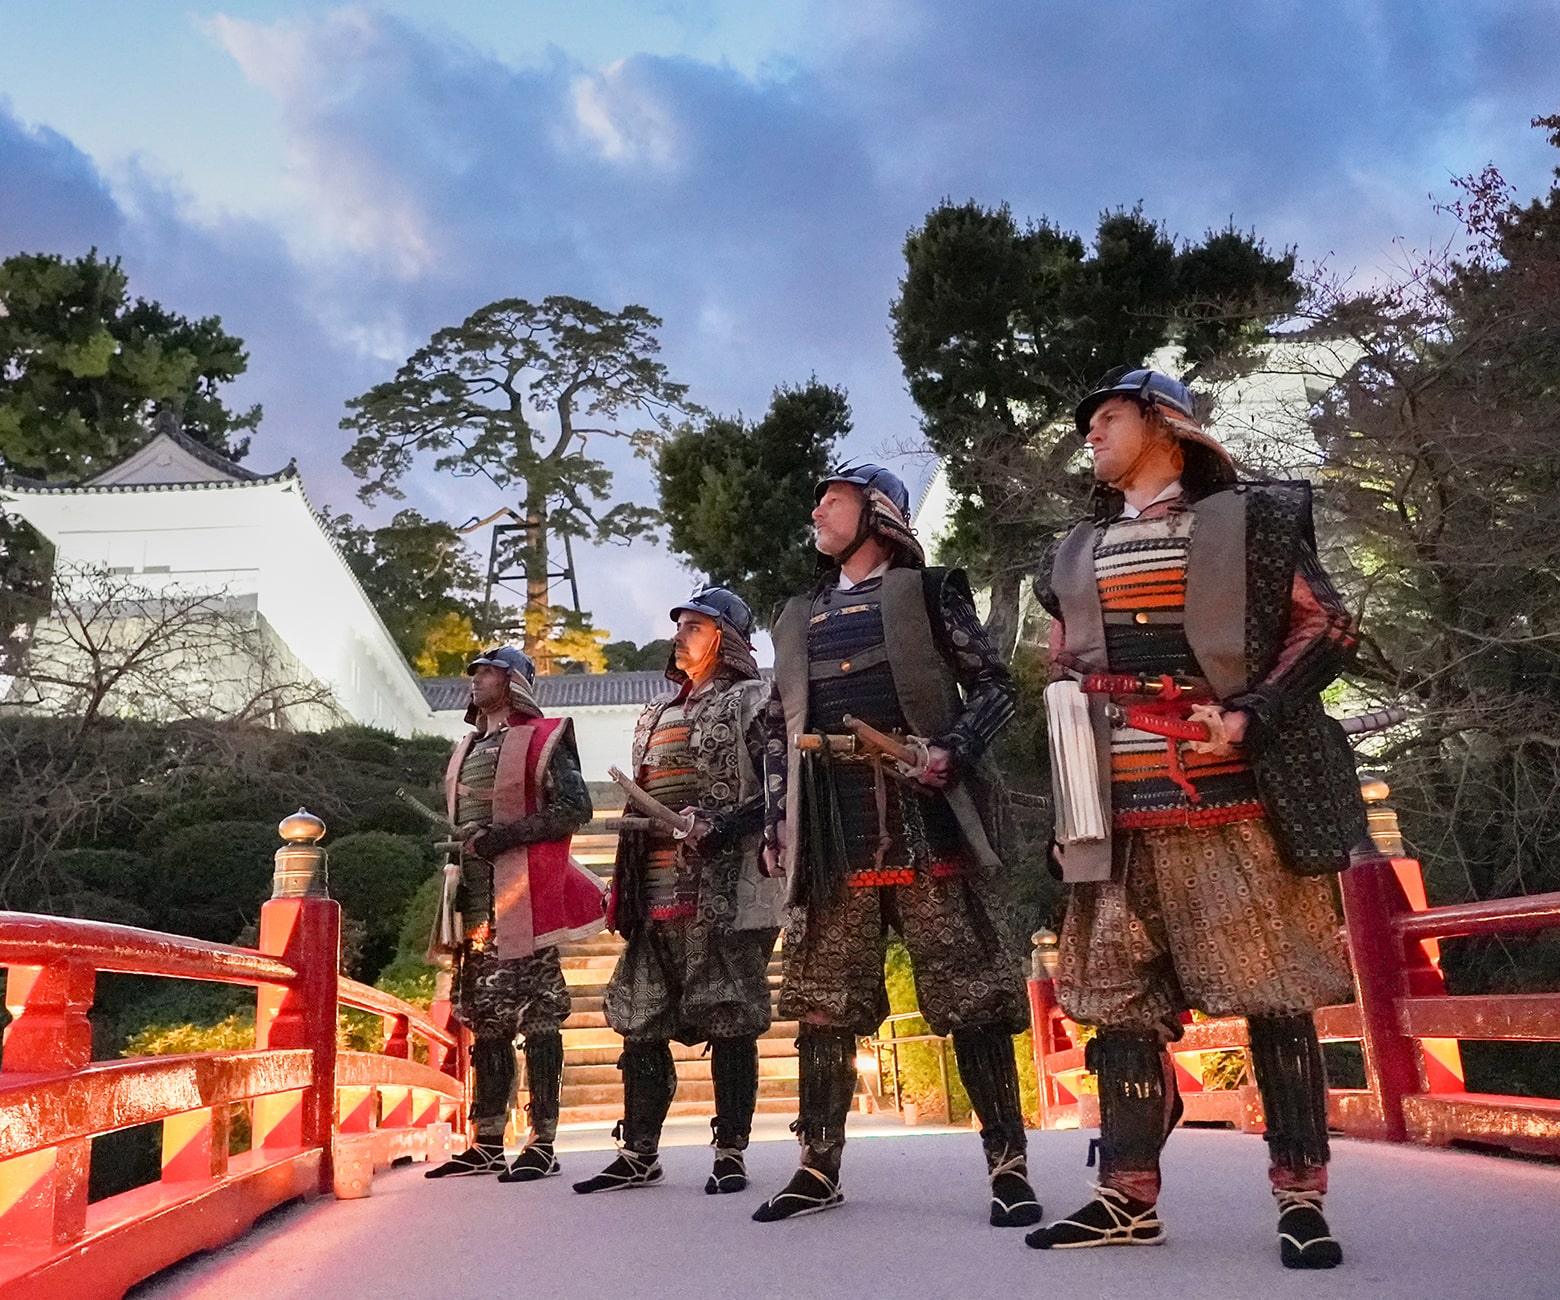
<point x="541" y="896"/>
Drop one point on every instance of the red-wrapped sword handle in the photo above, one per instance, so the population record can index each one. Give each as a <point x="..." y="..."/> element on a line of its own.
<point x="1159" y="724"/>
<point x="1164" y="687"/>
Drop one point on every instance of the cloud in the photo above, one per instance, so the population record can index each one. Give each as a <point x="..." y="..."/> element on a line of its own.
<point x="740" y="210"/>
<point x="1284" y="114"/>
<point x="57" y="201"/>
<point x="52" y="197"/>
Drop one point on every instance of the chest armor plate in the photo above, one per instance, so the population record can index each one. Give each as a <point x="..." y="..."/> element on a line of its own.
<point x="847" y="661"/>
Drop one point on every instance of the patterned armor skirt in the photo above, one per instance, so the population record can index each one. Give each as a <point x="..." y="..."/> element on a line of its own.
<point x="686" y="980"/>
<point x="968" y="974"/>
<point x="505" y="996"/>
<point x="1199" y="918"/>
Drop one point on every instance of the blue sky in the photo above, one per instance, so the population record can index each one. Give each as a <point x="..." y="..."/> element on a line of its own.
<point x="337" y="182"/>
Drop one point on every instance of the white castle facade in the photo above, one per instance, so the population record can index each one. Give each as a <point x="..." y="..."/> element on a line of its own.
<point x="289" y="627"/>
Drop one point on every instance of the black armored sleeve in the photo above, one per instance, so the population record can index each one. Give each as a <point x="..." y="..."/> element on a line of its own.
<point x="1296" y="621"/>
<point x="1319" y="643"/>
<point x="769" y="727"/>
<point x="567" y="808"/>
<point x="989" y="694"/>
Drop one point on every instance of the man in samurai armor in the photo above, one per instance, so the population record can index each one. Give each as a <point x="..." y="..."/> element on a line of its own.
<point x="870" y="844"/>
<point x="698" y="913"/>
<point x="1196" y="629"/>
<point x="514" y="790"/>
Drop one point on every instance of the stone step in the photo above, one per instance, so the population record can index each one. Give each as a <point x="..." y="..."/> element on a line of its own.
<point x="573" y="956"/>
<point x="597" y="848"/>
<point x="592" y="981"/>
<point x="607" y="940"/>
<point x="769" y="1067"/>
<point x="597" y="945"/>
<point x="588" y="1014"/>
<point x="584" y="1039"/>
<point x="575" y="1096"/>
<point x="779" y="1047"/>
<point x="606" y="1113"/>
<point x="589" y="964"/>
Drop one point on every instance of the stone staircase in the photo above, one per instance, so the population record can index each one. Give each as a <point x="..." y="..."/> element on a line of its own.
<point x="592" y="1085"/>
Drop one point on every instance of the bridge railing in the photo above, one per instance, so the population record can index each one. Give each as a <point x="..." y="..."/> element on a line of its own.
<point x="321" y="1119"/>
<point x="1409" y="1028"/>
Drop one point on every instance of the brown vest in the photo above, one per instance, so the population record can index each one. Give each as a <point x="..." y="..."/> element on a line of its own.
<point x="1306" y="770"/>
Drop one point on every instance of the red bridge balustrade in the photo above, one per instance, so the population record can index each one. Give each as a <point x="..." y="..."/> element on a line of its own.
<point x="1408" y="1026"/>
<point x="322" y="1119"/>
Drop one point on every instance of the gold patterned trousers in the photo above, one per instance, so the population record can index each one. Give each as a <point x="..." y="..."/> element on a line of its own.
<point x="1203" y="918"/>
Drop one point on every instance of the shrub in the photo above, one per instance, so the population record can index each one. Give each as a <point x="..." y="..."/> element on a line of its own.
<point x="212" y="878"/>
<point x="375" y="875"/>
<point x="234" y="1033"/>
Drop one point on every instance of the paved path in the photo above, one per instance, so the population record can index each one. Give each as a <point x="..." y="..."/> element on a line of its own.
<point x="1414" y="1223"/>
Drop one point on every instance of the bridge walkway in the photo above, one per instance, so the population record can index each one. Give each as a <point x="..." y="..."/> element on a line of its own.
<point x="1414" y="1222"/>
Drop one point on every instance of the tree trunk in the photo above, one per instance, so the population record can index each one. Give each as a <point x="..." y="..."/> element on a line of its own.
<point x="536" y="581"/>
<point x="1002" y="620"/>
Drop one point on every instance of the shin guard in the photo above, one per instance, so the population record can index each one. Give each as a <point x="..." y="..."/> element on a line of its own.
<point x="1287" y="1060"/>
<point x="990" y="1074"/>
<point x="827" y="1068"/>
<point x="1139" y="1106"/>
<point x="734" y="1069"/>
<point x="649" y="1084"/>
<point x="493" y="1061"/>
<point x="544" y="1080"/>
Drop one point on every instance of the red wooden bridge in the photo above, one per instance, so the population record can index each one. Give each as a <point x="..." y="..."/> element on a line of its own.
<point x="324" y="1120"/>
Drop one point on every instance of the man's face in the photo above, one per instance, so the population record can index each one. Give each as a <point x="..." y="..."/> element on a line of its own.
<point x="836" y="517"/>
<point x="489" y="687"/>
<point x="1118" y="433"/>
<point x="695" y="642"/>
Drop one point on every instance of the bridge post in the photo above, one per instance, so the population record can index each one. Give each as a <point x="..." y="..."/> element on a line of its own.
<point x="301" y="924"/>
<point x="43" y="1195"/>
<point x="1048" y="1033"/>
<point x="398" y="1042"/>
<point x="1372" y="896"/>
<point x="1373" y="893"/>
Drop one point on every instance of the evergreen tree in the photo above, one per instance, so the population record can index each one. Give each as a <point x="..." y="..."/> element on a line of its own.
<point x="83" y="370"/>
<point x="1001" y="329"/>
<point x="514" y="394"/>
<point x="83" y="373"/>
<point x="419" y="575"/>
<point x="1442" y="460"/>
<point x="737" y="498"/>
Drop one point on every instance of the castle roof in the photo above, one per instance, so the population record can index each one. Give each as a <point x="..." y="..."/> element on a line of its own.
<point x="167" y="461"/>
<point x="562" y="691"/>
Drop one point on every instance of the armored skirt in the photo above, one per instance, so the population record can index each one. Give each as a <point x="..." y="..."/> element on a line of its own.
<point x="689" y="973"/>
<point x="504" y="997"/>
<point x="1199" y="918"/>
<point x="967" y="970"/>
<point x="685" y="980"/>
